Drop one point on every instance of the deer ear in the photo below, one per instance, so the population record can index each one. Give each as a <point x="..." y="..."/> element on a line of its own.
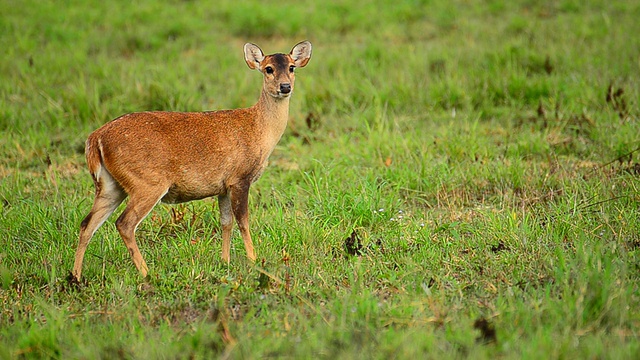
<point x="301" y="53"/>
<point x="253" y="55"/>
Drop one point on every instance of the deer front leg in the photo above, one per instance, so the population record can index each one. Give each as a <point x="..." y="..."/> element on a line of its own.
<point x="226" y="221"/>
<point x="240" y="206"/>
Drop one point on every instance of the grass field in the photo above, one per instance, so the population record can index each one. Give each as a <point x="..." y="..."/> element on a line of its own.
<point x="459" y="179"/>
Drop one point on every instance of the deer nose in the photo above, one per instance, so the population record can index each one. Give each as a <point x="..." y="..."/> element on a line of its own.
<point x="285" y="88"/>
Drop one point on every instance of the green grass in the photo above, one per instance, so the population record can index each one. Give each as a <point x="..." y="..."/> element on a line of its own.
<point x="482" y="159"/>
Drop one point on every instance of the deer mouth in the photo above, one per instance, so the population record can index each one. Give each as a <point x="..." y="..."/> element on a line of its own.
<point x="281" y="94"/>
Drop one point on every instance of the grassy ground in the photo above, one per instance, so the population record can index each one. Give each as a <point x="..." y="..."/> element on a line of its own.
<point x="459" y="179"/>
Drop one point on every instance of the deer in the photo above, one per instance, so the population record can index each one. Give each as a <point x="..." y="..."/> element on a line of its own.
<point x="175" y="157"/>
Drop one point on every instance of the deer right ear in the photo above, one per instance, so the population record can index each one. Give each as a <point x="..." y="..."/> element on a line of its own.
<point x="253" y="55"/>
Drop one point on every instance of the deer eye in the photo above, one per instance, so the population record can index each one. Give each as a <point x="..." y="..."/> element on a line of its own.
<point x="268" y="70"/>
<point x="291" y="68"/>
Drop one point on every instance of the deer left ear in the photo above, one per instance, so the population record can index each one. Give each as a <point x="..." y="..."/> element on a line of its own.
<point x="253" y="55"/>
<point x="301" y="53"/>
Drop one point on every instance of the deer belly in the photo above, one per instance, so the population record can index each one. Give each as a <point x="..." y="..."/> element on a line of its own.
<point x="183" y="192"/>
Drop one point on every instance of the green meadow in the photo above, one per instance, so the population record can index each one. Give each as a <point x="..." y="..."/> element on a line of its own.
<point x="459" y="179"/>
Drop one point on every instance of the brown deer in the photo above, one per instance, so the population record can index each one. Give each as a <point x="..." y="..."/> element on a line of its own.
<point x="176" y="157"/>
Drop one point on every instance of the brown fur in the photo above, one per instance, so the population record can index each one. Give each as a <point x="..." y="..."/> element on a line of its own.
<point x="175" y="157"/>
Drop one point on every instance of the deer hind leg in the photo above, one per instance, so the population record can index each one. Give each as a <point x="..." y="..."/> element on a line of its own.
<point x="240" y="206"/>
<point x="108" y="196"/>
<point x="138" y="207"/>
<point x="226" y="221"/>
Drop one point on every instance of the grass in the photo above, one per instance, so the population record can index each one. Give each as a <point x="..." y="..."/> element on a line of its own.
<point x="459" y="179"/>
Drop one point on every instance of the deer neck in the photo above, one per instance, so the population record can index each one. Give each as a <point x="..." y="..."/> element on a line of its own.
<point x="272" y="116"/>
